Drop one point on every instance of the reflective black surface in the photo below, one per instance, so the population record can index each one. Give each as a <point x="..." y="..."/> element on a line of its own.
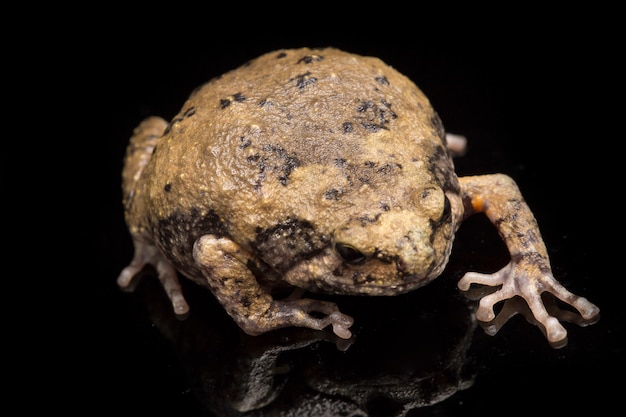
<point x="419" y="354"/>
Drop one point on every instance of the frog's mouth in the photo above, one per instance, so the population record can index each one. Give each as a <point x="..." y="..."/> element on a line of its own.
<point x="374" y="275"/>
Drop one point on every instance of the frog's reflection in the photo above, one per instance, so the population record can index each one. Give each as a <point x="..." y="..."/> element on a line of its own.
<point x="408" y="352"/>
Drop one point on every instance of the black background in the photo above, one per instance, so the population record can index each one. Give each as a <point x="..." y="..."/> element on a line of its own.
<point x="533" y="92"/>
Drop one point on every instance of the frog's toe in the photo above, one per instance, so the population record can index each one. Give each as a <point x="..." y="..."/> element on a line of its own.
<point x="341" y="323"/>
<point x="181" y="308"/>
<point x="555" y="332"/>
<point x="341" y="331"/>
<point x="481" y="279"/>
<point x="125" y="278"/>
<point x="485" y="311"/>
<point x="298" y="313"/>
<point x="170" y="282"/>
<point x="587" y="310"/>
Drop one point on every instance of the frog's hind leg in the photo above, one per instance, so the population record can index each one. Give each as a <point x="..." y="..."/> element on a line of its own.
<point x="147" y="254"/>
<point x="138" y="154"/>
<point x="224" y="266"/>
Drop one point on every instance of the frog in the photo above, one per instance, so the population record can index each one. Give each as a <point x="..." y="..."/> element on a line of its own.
<point x="318" y="171"/>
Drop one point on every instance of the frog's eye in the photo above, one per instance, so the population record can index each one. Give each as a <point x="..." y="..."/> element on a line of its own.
<point x="447" y="210"/>
<point x="432" y="202"/>
<point x="349" y="253"/>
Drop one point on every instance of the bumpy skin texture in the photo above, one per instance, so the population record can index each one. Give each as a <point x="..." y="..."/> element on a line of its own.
<point x="321" y="170"/>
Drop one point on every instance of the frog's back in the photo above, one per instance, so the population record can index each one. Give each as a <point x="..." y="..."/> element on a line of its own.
<point x="294" y="130"/>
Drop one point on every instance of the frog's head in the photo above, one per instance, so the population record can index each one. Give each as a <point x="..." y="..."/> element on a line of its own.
<point x="396" y="250"/>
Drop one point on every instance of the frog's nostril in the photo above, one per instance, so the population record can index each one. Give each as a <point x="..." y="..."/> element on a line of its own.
<point x="401" y="265"/>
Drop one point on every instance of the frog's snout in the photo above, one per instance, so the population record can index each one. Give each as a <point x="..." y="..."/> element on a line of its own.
<point x="413" y="252"/>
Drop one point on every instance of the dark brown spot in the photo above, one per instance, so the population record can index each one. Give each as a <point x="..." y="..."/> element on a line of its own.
<point x="437" y="126"/>
<point x="364" y="220"/>
<point x="310" y="58"/>
<point x="386" y="168"/>
<point x="244" y="142"/>
<point x="167" y="187"/>
<point x="276" y="160"/>
<point x="304" y="80"/>
<point x="440" y="165"/>
<point x="291" y="163"/>
<point x="245" y="301"/>
<point x="374" y="117"/>
<point x="373" y="127"/>
<point x="332" y="194"/>
<point x="238" y="97"/>
<point x="177" y="233"/>
<point x="382" y="80"/>
<point x="364" y="105"/>
<point x="288" y="243"/>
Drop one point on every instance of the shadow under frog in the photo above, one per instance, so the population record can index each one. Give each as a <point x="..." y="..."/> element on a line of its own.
<point x="295" y="371"/>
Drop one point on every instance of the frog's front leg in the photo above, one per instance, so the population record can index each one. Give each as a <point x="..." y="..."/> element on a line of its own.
<point x="223" y="264"/>
<point x="528" y="274"/>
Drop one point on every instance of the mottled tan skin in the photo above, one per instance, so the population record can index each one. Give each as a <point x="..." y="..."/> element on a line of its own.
<point x="324" y="171"/>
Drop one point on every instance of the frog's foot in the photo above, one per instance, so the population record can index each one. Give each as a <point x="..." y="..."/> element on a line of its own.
<point x="517" y="305"/>
<point x="171" y="284"/>
<point x="290" y="312"/>
<point x="456" y="144"/>
<point x="224" y="264"/>
<point x="146" y="254"/>
<point x="125" y="279"/>
<point x="515" y="280"/>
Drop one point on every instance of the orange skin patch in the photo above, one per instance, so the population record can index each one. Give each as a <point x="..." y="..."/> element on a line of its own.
<point x="478" y="203"/>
